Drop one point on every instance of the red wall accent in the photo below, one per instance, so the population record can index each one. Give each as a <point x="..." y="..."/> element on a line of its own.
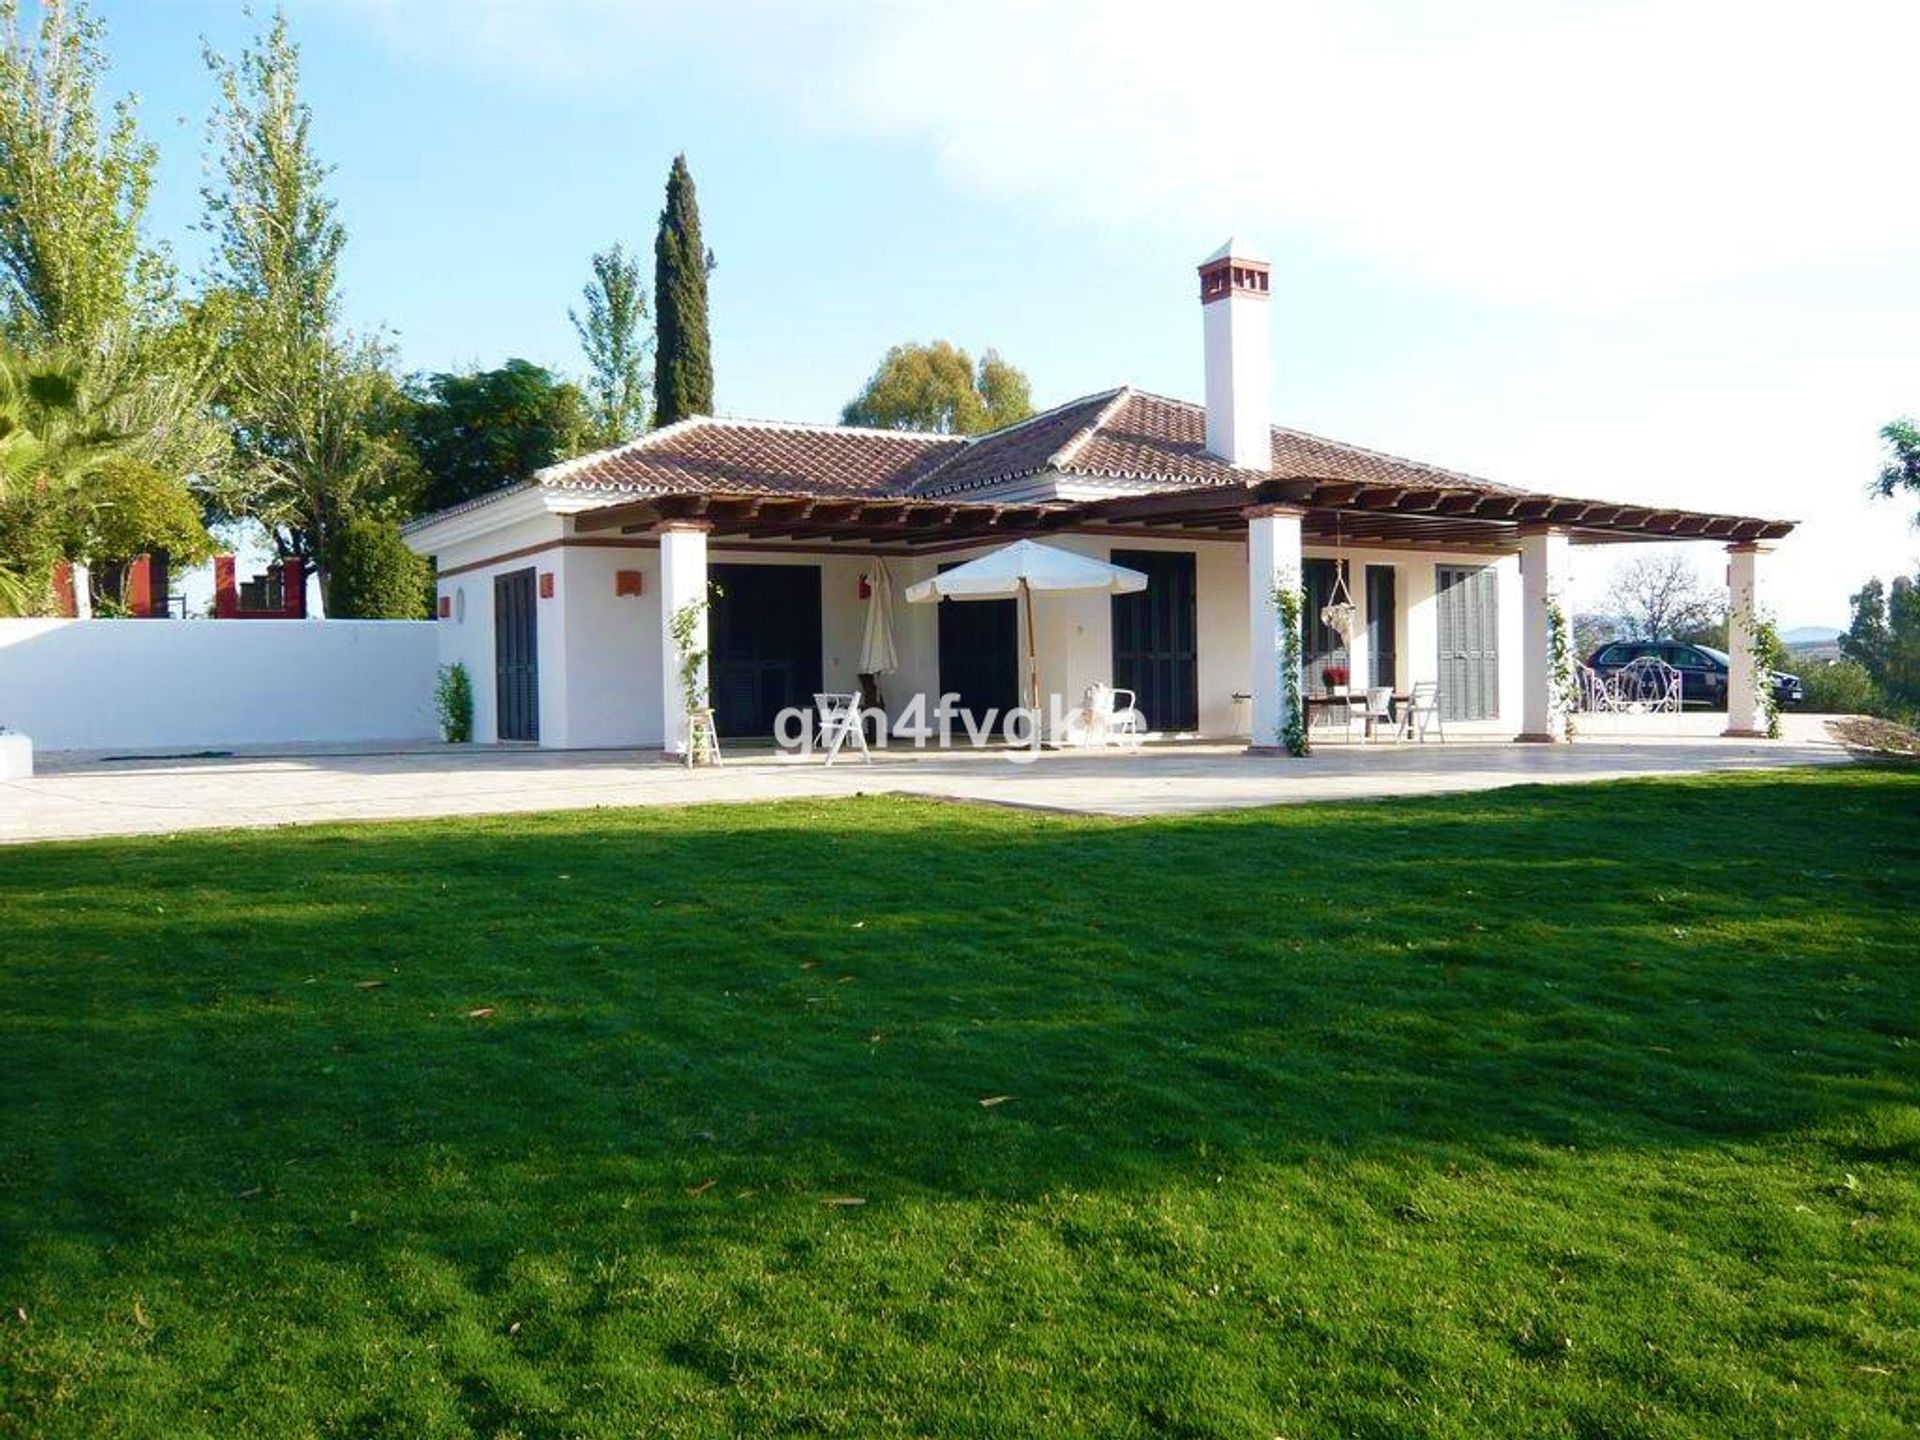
<point x="63" y="590"/>
<point x="136" y="591"/>
<point x="293" y="591"/>
<point x="226" y="594"/>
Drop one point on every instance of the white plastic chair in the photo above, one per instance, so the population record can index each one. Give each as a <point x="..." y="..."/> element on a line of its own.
<point x="1379" y="713"/>
<point x="1423" y="710"/>
<point x="1350" y="711"/>
<point x="840" y="721"/>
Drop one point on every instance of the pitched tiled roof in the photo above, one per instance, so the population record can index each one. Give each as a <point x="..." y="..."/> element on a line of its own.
<point x="1121" y="434"/>
<point x="757" y="456"/>
<point x="1033" y="445"/>
<point x="1149" y="437"/>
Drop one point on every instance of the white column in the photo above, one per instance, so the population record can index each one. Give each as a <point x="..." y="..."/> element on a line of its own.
<point x="683" y="582"/>
<point x="1744" y="714"/>
<point x="1273" y="559"/>
<point x="1543" y="577"/>
<point x="1360" y="648"/>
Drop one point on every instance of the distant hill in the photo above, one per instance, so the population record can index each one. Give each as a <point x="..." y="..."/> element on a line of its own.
<point x="1811" y="635"/>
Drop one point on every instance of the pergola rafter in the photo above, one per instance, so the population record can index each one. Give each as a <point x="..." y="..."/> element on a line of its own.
<point x="1436" y="515"/>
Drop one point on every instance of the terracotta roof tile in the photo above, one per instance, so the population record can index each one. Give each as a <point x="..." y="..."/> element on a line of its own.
<point x="1120" y="434"/>
<point x="749" y="456"/>
<point x="1150" y="437"/>
<point x="1019" y="450"/>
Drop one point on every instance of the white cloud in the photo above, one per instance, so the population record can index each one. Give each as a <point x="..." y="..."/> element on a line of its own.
<point x="1568" y="156"/>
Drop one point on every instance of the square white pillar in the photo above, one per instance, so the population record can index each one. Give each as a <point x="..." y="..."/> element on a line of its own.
<point x="683" y="582"/>
<point x="1273" y="560"/>
<point x="1746" y="716"/>
<point x="1544" y="572"/>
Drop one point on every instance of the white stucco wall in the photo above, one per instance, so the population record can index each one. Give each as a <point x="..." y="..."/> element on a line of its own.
<point x="163" y="684"/>
<point x="467" y="572"/>
<point x="600" y="668"/>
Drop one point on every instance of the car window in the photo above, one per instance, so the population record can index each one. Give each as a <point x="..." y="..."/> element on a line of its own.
<point x="1614" y="655"/>
<point x="1686" y="657"/>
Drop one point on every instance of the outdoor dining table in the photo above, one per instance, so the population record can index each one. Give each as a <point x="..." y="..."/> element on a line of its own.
<point x="1359" y="697"/>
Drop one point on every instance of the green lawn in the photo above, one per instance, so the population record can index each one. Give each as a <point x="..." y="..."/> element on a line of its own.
<point x="1589" y="1111"/>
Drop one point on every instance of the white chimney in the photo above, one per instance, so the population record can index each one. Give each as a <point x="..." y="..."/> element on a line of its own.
<point x="1233" y="305"/>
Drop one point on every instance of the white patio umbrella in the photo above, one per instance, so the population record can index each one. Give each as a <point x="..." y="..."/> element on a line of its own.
<point x="1025" y="569"/>
<point x="877" y="653"/>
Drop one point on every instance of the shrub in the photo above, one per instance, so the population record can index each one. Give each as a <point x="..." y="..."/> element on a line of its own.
<point x="1842" y="688"/>
<point x="372" y="575"/>
<point x="453" y="696"/>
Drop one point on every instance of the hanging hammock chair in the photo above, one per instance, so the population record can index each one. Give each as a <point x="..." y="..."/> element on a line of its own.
<point x="1339" y="613"/>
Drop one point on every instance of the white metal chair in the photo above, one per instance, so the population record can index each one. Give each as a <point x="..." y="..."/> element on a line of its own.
<point x="839" y="723"/>
<point x="1423" y="709"/>
<point x="1378" y="715"/>
<point x="1125" y="724"/>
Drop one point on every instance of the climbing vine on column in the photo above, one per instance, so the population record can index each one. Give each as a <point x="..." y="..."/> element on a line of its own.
<point x="1769" y="655"/>
<point x="1288" y="602"/>
<point x="1563" y="676"/>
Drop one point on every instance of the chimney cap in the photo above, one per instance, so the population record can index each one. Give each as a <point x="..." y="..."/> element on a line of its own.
<point x="1234" y="248"/>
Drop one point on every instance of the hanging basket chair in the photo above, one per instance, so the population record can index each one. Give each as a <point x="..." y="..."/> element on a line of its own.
<point x="1338" y="616"/>
<point x="1339" y="613"/>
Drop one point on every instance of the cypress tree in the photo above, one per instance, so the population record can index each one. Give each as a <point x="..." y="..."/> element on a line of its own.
<point x="683" y="355"/>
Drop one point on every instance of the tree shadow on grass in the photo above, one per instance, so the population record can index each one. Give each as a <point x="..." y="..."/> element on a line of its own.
<point x="459" y="1028"/>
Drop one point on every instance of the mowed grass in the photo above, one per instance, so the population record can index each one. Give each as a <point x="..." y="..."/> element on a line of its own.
<point x="1590" y="1111"/>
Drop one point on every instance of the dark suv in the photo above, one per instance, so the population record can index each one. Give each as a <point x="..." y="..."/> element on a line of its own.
<point x="1703" y="670"/>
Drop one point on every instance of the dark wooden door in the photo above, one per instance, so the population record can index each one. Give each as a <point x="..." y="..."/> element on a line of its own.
<point x="516" y="657"/>
<point x="1383" y="619"/>
<point x="1324" y="654"/>
<point x="980" y="654"/>
<point x="1469" y="624"/>
<point x="764" y="643"/>
<point x="1156" y="651"/>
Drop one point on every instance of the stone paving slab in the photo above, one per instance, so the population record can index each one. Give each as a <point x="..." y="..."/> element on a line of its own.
<point x="76" y="797"/>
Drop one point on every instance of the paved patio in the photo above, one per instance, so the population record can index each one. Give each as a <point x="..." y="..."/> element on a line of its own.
<point x="77" y="796"/>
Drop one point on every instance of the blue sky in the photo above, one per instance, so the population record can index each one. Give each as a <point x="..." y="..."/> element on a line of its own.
<point x="1647" y="251"/>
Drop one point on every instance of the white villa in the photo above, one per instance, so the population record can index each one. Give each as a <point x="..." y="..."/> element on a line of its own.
<point x="557" y="592"/>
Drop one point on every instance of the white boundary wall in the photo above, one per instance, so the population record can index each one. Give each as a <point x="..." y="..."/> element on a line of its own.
<point x="152" y="684"/>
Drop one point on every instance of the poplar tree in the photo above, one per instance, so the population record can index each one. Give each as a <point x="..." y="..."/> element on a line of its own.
<point x="683" y="355"/>
<point x="615" y="346"/>
<point x="302" y="396"/>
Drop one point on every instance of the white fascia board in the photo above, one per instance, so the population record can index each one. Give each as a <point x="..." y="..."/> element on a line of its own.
<point x="461" y="527"/>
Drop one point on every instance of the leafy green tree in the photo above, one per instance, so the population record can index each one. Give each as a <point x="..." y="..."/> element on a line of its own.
<point x="128" y="507"/>
<point x="615" y="345"/>
<point x="937" y="387"/>
<point x="303" y="399"/>
<point x="1003" y="390"/>
<point x="375" y="575"/>
<point x="1867" y="638"/>
<point x="683" y="352"/>
<point x="1902" y="468"/>
<point x="1884" y="637"/>
<point x="79" y="286"/>
<point x="478" y="431"/>
<point x="72" y="263"/>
